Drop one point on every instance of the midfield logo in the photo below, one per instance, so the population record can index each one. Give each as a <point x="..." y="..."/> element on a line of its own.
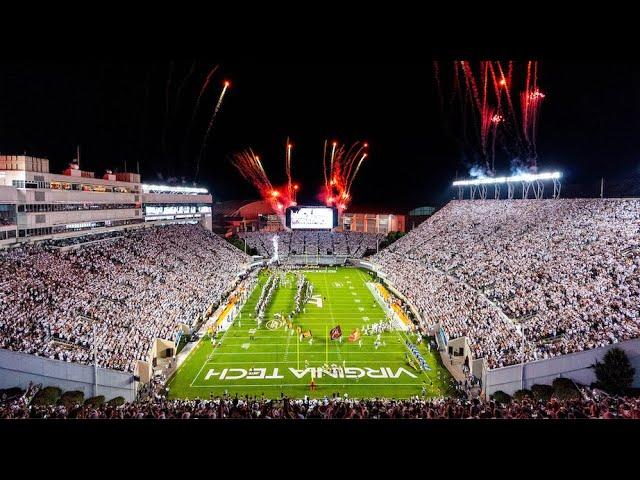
<point x="311" y="372"/>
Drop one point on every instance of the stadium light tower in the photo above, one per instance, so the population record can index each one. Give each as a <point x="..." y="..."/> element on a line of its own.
<point x="528" y="181"/>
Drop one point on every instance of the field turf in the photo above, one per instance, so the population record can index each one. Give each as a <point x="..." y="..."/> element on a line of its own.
<point x="276" y="362"/>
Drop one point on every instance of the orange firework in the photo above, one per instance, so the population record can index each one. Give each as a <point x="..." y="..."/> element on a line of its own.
<point x="343" y="169"/>
<point x="250" y="167"/>
<point x="225" y="86"/>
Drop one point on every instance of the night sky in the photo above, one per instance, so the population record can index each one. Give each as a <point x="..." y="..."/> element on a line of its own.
<point x="589" y="122"/>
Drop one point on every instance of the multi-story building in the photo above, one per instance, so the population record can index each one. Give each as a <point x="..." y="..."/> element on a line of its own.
<point x="49" y="205"/>
<point x="8" y="216"/>
<point x="371" y="220"/>
<point x="161" y="203"/>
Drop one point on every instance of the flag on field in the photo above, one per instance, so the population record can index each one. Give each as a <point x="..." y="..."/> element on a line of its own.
<point x="336" y="332"/>
<point x="306" y="334"/>
<point x="355" y="336"/>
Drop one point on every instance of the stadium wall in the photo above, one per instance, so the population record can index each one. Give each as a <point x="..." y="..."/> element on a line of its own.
<point x="574" y="366"/>
<point x="18" y="369"/>
<point x="328" y="260"/>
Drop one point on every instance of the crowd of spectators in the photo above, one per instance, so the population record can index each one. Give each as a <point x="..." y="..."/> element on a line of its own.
<point x="139" y="286"/>
<point x="564" y="272"/>
<point x="589" y="406"/>
<point x="79" y="240"/>
<point x="353" y="244"/>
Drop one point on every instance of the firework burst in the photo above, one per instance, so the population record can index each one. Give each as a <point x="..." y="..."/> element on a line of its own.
<point x="487" y="114"/>
<point x="341" y="165"/>
<point x="194" y="112"/>
<point x="210" y="126"/>
<point x="250" y="167"/>
<point x="344" y="165"/>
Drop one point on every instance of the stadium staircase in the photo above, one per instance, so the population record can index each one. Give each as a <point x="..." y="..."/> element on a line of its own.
<point x="454" y="365"/>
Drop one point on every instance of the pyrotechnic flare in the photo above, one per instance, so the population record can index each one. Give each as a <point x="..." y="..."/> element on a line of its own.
<point x="436" y="73"/>
<point x="333" y="152"/>
<point x="509" y="126"/>
<point x="213" y="117"/>
<point x="486" y="101"/>
<point x="324" y="162"/>
<point x="183" y="83"/>
<point x="196" y="107"/>
<point x="344" y="168"/>
<point x="288" y="167"/>
<point x="339" y="175"/>
<point x="250" y="167"/>
<point x="530" y="100"/>
<point x="346" y="195"/>
<point x="202" y="90"/>
<point x="505" y="84"/>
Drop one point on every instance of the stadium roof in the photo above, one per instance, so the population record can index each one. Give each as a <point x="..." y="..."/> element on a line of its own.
<point x="242" y="208"/>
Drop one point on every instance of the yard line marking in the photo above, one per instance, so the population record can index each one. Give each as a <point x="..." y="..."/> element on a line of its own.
<point x="382" y="363"/>
<point x="212" y="352"/>
<point x="302" y="385"/>
<point x="377" y="352"/>
<point x="330" y="302"/>
<point x="407" y="350"/>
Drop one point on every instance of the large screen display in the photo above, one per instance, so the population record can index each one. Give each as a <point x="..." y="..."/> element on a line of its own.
<point x="319" y="218"/>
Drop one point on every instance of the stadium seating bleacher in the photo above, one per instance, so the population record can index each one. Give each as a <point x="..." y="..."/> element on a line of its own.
<point x="564" y="271"/>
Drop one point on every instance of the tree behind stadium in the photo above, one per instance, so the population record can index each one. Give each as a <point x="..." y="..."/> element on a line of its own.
<point x="614" y="373"/>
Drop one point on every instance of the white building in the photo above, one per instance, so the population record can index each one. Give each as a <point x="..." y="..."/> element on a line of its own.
<point x="161" y="203"/>
<point x="8" y="208"/>
<point x="36" y="204"/>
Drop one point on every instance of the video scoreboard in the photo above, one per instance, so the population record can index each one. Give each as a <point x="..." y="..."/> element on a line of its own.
<point x="311" y="218"/>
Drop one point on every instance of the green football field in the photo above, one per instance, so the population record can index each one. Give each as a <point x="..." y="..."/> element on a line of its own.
<point x="277" y="362"/>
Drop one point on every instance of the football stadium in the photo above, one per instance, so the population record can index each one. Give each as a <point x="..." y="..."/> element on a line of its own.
<point x="515" y="294"/>
<point x="284" y="356"/>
